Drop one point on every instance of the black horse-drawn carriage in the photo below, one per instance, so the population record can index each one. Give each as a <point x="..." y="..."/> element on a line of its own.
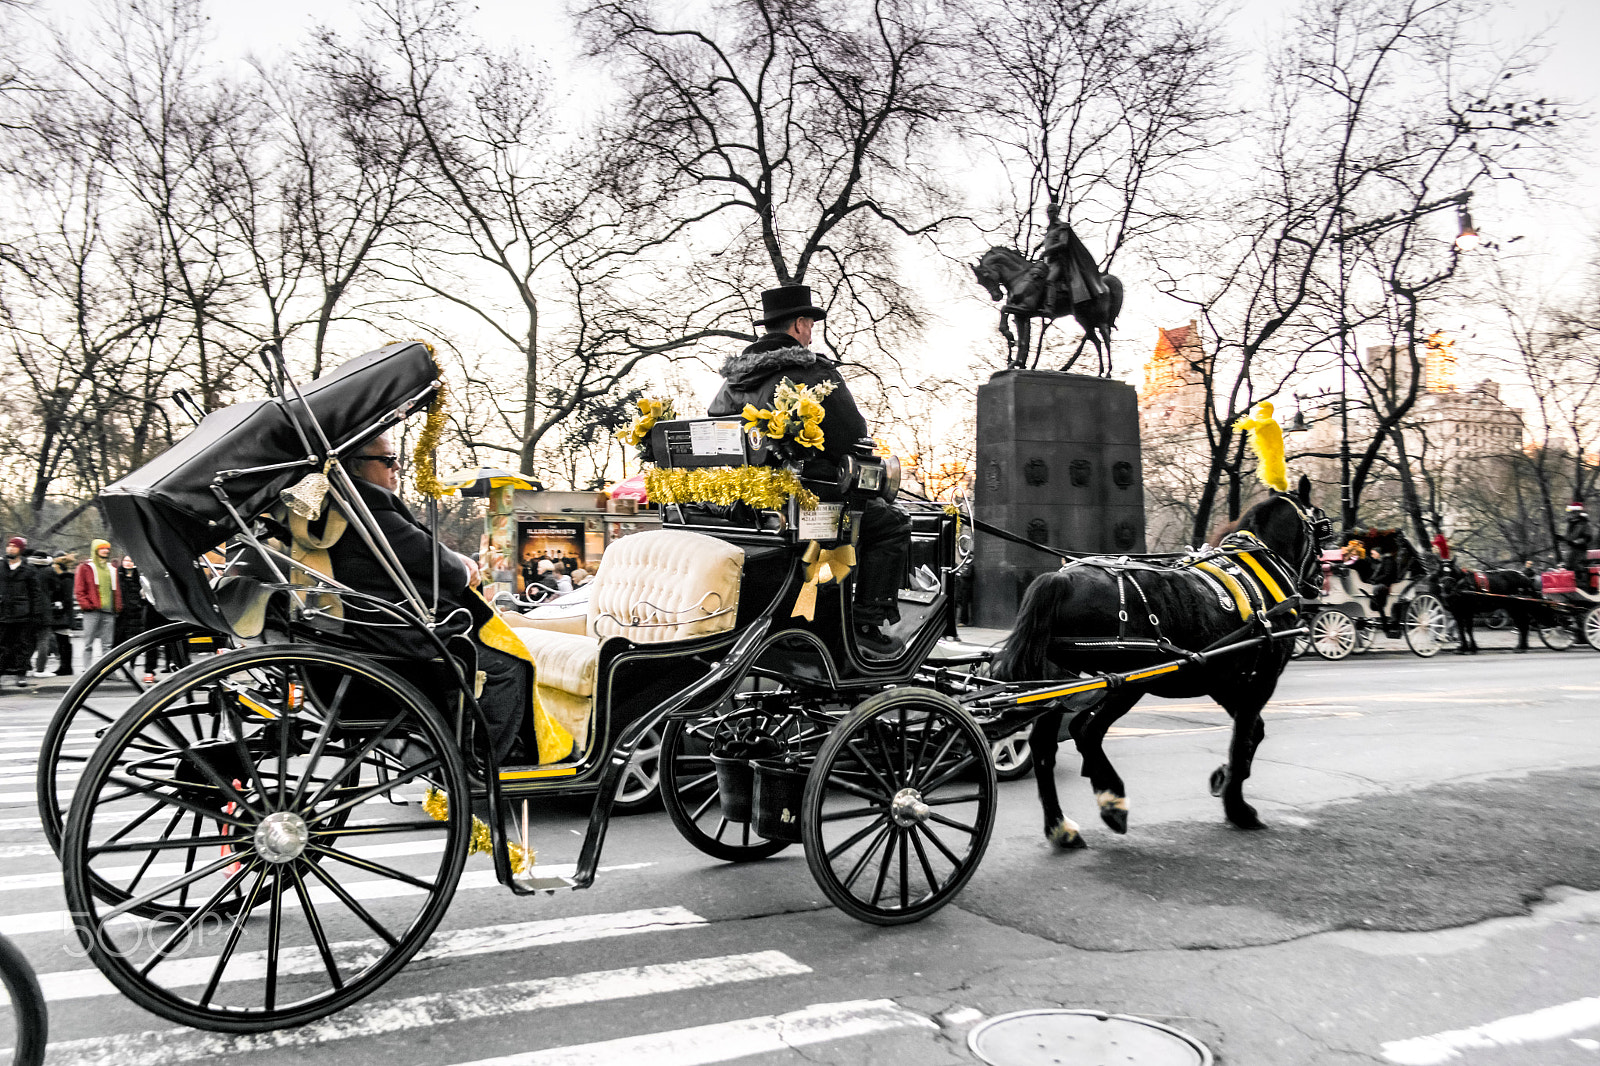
<point x="269" y="834"/>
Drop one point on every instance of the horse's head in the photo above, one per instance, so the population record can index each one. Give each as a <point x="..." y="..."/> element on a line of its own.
<point x="987" y="277"/>
<point x="1295" y="530"/>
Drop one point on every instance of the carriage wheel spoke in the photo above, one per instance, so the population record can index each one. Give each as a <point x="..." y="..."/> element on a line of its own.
<point x="376" y="830"/>
<point x="144" y="867"/>
<point x="350" y="903"/>
<point x="128" y="827"/>
<point x="885" y="748"/>
<point x="883" y="865"/>
<point x="320" y="743"/>
<point x="932" y="766"/>
<point x="945" y="801"/>
<point x="722" y="827"/>
<point x="853" y="812"/>
<point x="370" y="866"/>
<point x="226" y="955"/>
<point x="705" y="805"/>
<point x="187" y="926"/>
<point x="866" y="856"/>
<point x="191" y="842"/>
<point x="970" y="830"/>
<point x="866" y="764"/>
<point x="274" y="936"/>
<point x="318" y="934"/>
<point x="366" y="748"/>
<point x="172" y="886"/>
<point x="854" y="838"/>
<point x="905" y="871"/>
<point x="922" y="857"/>
<point x="379" y="789"/>
<point x="933" y="838"/>
<point x="843" y="785"/>
<point x="136" y="788"/>
<point x="959" y="767"/>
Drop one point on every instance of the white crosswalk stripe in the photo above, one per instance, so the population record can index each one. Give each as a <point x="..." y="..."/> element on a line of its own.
<point x="378" y="1017"/>
<point x="819" y="1023"/>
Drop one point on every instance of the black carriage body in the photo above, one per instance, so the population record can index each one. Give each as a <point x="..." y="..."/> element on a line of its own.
<point x="168" y="512"/>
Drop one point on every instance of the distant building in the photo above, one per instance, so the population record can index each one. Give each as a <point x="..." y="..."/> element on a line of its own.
<point x="1174" y="393"/>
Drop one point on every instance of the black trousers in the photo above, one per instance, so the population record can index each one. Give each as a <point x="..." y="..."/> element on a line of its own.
<point x="881" y="554"/>
<point x="17" y="640"/>
<point x="505" y="701"/>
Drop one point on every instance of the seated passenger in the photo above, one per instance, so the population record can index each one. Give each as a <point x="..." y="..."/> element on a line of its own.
<point x="1385" y="572"/>
<point x="375" y="469"/>
<point x="752" y="377"/>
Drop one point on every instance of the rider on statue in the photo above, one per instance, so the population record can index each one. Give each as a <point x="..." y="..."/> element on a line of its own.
<point x="1073" y="272"/>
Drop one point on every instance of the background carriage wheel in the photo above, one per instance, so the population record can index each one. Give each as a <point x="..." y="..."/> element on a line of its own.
<point x="335" y="885"/>
<point x="30" y="1017"/>
<point x="1591" y="627"/>
<point x="899" y="806"/>
<point x="1333" y="634"/>
<point x="641" y="781"/>
<point x="1559" y="632"/>
<point x="1427" y="625"/>
<point x="689" y="780"/>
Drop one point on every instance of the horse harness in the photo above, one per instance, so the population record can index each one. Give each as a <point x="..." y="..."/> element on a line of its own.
<point x="1242" y="574"/>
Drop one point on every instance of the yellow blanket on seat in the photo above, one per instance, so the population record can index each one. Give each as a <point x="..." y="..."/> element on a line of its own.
<point x="555" y="742"/>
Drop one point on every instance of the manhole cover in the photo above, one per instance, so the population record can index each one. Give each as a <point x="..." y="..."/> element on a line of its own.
<point x="1082" y="1038"/>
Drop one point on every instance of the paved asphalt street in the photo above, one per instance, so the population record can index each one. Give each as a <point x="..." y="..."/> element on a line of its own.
<point x="1428" y="891"/>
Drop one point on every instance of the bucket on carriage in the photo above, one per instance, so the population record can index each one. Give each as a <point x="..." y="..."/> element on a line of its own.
<point x="779" y="789"/>
<point x="735" y="786"/>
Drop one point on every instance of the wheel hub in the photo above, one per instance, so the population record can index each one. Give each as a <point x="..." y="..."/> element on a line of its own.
<point x="907" y="808"/>
<point x="282" y="837"/>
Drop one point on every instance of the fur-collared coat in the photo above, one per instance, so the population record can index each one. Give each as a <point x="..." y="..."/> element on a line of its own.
<point x="752" y="377"/>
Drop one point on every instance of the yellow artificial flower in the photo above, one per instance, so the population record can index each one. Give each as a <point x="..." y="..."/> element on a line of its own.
<point x="810" y="436"/>
<point x="777" y="425"/>
<point x="754" y="417"/>
<point x="809" y="410"/>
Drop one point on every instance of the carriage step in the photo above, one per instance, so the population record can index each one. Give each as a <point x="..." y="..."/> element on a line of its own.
<point x="551" y="883"/>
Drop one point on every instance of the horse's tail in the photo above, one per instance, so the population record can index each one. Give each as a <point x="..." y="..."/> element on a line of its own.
<point x="1023" y="656"/>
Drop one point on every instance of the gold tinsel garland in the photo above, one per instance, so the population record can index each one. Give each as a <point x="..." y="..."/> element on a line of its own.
<point x="437" y="806"/>
<point x="762" y="487"/>
<point x="427" y="478"/>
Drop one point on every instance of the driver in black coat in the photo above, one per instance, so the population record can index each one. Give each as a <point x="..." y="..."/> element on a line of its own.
<point x="1576" y="539"/>
<point x="752" y="377"/>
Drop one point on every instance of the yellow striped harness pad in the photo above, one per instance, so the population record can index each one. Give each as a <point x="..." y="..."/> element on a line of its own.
<point x="1241" y="599"/>
<point x="1265" y="578"/>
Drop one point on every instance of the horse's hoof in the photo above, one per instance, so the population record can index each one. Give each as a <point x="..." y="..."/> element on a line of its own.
<point x="1064" y="835"/>
<point x="1113" y="810"/>
<point x="1244" y="817"/>
<point x="1519" y="651"/>
<point x="1219" y="779"/>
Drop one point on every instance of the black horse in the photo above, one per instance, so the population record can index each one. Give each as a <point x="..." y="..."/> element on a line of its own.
<point x="1467" y="593"/>
<point x="1006" y="274"/>
<point x="1069" y="624"/>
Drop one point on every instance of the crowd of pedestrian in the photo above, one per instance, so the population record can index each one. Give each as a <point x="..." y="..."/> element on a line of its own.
<point x="46" y="599"/>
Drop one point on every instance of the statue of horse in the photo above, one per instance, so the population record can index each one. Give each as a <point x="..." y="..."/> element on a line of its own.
<point x="1021" y="282"/>
<point x="1124" y="614"/>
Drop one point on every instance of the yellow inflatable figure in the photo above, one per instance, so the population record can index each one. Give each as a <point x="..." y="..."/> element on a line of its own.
<point x="1266" y="440"/>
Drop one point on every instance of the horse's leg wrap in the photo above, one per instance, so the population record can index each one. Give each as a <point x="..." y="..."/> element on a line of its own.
<point x="1065" y="835"/>
<point x="1113" y="810"/>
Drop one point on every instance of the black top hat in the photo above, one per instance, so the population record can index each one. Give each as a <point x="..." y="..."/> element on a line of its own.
<point x="786" y="302"/>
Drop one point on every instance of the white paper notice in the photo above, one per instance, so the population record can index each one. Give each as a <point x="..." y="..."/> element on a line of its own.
<point x="715" y="438"/>
<point x="821" y="523"/>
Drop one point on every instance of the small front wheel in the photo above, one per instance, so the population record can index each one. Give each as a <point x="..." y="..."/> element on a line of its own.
<point x="1559" y="633"/>
<point x="899" y="806"/>
<point x="1333" y="634"/>
<point x="1591" y="627"/>
<point x="1427" y="625"/>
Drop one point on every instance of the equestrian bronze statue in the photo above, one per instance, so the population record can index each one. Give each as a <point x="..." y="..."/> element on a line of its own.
<point x="1064" y="281"/>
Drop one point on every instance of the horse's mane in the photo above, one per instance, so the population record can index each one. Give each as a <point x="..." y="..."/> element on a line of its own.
<point x="1224" y="530"/>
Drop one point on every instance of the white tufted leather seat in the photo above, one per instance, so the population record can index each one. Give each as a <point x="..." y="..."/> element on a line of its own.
<point x="652" y="587"/>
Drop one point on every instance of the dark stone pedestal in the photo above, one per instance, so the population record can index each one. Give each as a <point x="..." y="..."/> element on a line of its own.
<point x="1058" y="463"/>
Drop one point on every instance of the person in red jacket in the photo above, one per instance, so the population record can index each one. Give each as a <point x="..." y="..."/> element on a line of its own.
<point x="94" y="586"/>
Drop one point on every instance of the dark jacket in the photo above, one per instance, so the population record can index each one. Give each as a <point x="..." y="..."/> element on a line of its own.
<point x="1577" y="535"/>
<point x="58" y="594"/>
<point x="22" y="596"/>
<point x="1386" y="571"/>
<point x="354" y="565"/>
<point x="752" y="377"/>
<point x="131" y="600"/>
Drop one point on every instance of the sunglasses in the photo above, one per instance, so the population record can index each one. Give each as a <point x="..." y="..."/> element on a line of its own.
<point x="390" y="461"/>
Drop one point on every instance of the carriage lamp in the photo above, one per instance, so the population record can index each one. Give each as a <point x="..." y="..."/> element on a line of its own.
<point x="1298" y="423"/>
<point x="1467" y="239"/>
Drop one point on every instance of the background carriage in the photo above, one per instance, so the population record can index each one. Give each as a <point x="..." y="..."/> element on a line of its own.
<point x="1576" y="598"/>
<point x="1342" y="621"/>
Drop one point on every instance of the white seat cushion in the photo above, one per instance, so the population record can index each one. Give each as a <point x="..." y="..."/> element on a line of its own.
<point x="666" y="585"/>
<point x="562" y="660"/>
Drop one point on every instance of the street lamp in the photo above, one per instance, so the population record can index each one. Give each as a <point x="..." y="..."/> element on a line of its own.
<point x="1466" y="240"/>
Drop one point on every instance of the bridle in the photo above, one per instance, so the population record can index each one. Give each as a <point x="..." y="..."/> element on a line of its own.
<point x="1319" y="531"/>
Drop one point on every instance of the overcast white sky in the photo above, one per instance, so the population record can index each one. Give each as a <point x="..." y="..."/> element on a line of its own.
<point x="1557" y="230"/>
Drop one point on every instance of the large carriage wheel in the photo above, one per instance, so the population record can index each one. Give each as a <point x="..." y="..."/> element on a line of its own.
<point x="1427" y="625"/>
<point x="82" y="718"/>
<point x="302" y="884"/>
<point x="689" y="780"/>
<point x="1333" y="634"/>
<point x="1559" y="631"/>
<point x="899" y="806"/>
<point x="1591" y="627"/>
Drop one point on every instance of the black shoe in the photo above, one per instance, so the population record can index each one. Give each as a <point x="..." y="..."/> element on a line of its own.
<point x="878" y="644"/>
<point x="22" y="682"/>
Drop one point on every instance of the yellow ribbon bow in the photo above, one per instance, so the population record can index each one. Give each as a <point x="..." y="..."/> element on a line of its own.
<point x="838" y="562"/>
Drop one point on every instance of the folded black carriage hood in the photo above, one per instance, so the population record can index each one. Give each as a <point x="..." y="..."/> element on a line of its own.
<point x="165" y="513"/>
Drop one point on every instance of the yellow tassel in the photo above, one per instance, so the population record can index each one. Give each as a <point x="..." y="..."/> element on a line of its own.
<point x="436" y="805"/>
<point x="1266" y="440"/>
<point x="762" y="487"/>
<point x="427" y="478"/>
